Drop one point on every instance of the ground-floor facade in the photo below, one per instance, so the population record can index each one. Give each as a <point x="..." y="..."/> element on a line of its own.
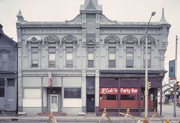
<point x="74" y="92"/>
<point x="8" y="92"/>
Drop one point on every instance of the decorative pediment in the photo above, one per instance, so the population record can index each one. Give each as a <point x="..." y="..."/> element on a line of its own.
<point x="51" y="39"/>
<point x="34" y="39"/>
<point x="130" y="39"/>
<point x="91" y="42"/>
<point x="90" y="39"/>
<point x="151" y="40"/>
<point x="112" y="39"/>
<point x="69" y="39"/>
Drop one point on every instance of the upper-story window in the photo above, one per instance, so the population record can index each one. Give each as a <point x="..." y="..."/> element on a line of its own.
<point x="4" y="60"/>
<point x="129" y="57"/>
<point x="69" y="56"/>
<point x="51" y="57"/>
<point x="148" y="57"/>
<point x="34" y="57"/>
<point x="112" y="57"/>
<point x="90" y="57"/>
<point x="2" y="87"/>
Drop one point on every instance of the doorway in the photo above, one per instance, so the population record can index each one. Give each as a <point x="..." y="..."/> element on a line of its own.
<point x="90" y="103"/>
<point x="54" y="102"/>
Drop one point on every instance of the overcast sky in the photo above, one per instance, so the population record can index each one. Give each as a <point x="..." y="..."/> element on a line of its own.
<point x="120" y="10"/>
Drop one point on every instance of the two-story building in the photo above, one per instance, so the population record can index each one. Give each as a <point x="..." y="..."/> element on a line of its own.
<point x="88" y="63"/>
<point x="8" y="74"/>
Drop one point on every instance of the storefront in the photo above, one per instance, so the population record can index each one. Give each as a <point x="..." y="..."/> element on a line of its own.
<point x="119" y="93"/>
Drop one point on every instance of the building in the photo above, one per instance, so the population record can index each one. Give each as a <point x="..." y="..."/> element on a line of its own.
<point x="8" y="74"/>
<point x="88" y="63"/>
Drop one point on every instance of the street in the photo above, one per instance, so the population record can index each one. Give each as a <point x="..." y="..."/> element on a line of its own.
<point x="167" y="114"/>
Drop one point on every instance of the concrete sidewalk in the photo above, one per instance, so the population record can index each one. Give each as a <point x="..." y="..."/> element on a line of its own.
<point x="73" y="118"/>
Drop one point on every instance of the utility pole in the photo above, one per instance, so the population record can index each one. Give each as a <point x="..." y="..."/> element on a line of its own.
<point x="175" y="96"/>
<point x="146" y="68"/>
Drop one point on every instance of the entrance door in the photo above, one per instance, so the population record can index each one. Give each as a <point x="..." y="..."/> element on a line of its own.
<point x="54" y="102"/>
<point x="90" y="103"/>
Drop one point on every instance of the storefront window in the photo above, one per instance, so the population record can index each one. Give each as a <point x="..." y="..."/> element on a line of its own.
<point x="111" y="97"/>
<point x="72" y="92"/>
<point x="128" y="97"/>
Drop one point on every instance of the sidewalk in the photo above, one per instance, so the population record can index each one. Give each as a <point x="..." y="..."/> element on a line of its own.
<point x="70" y="118"/>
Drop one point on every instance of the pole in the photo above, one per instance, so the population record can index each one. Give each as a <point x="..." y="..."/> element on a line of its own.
<point x="146" y="68"/>
<point x="175" y="96"/>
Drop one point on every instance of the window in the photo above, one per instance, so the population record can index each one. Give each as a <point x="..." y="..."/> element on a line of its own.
<point x="2" y="88"/>
<point x="129" y="57"/>
<point x="52" y="57"/>
<point x="128" y="97"/>
<point x="10" y="82"/>
<point x="112" y="57"/>
<point x="69" y="57"/>
<point x="72" y="92"/>
<point x="90" y="57"/>
<point x="111" y="97"/>
<point x="1" y="61"/>
<point x="148" y="57"/>
<point x="32" y="93"/>
<point x="34" y="57"/>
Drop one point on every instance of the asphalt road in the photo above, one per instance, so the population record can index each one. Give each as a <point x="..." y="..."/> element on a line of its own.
<point x="167" y="114"/>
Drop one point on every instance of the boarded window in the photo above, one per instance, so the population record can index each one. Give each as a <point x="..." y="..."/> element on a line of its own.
<point x="32" y="93"/>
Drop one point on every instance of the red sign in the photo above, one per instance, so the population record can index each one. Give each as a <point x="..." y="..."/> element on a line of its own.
<point x="128" y="90"/>
<point x="108" y="90"/>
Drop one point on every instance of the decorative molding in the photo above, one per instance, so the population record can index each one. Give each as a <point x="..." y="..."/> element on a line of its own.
<point x="69" y="39"/>
<point x="51" y="39"/>
<point x="90" y="39"/>
<point x="112" y="39"/>
<point x="130" y="39"/>
<point x="151" y="40"/>
<point x="34" y="40"/>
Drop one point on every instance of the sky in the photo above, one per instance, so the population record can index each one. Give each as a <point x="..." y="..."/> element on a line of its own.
<point x="120" y="10"/>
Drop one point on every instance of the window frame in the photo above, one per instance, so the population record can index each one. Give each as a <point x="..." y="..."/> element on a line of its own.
<point x="72" y="94"/>
<point x="51" y="51"/>
<point x="112" y="60"/>
<point x="129" y="57"/>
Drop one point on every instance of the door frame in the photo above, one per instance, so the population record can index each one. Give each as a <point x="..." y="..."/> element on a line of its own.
<point x="57" y="96"/>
